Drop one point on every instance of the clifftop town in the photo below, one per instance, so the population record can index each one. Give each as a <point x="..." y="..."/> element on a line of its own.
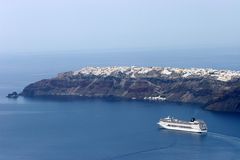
<point x="138" y="72"/>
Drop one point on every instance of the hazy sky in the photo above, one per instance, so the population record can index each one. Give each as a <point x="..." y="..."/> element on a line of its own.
<point x="55" y="25"/>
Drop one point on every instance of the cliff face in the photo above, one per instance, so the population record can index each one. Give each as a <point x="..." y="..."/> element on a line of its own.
<point x="214" y="89"/>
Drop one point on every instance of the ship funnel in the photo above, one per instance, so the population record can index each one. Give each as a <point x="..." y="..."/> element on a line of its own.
<point x="193" y="119"/>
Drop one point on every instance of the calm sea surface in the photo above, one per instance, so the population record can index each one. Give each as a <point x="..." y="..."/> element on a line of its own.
<point x="95" y="129"/>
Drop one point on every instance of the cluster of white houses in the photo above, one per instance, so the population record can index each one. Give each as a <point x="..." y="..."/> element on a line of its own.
<point x="221" y="75"/>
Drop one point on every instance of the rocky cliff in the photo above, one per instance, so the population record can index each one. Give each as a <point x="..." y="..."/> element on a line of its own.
<point x="214" y="89"/>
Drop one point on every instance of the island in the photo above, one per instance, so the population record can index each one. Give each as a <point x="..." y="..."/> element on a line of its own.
<point x="217" y="90"/>
<point x="13" y="95"/>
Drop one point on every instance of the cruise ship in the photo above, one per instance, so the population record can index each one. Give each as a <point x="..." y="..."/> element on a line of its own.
<point x="193" y="125"/>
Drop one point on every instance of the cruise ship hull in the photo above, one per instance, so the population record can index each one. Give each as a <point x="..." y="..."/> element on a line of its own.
<point x="182" y="127"/>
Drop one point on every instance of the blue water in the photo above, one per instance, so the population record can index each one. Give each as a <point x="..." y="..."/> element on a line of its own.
<point x="95" y="129"/>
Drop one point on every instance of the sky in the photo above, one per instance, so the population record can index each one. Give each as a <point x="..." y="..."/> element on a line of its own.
<point x="61" y="25"/>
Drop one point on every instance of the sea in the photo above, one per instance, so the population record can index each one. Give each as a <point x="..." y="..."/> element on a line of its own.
<point x="101" y="129"/>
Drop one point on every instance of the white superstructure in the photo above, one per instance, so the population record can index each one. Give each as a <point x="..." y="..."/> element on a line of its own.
<point x="198" y="126"/>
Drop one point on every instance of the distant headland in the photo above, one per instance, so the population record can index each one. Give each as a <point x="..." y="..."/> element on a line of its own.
<point x="217" y="90"/>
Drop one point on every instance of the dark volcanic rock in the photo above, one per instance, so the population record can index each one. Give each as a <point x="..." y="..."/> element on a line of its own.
<point x="210" y="88"/>
<point x="13" y="95"/>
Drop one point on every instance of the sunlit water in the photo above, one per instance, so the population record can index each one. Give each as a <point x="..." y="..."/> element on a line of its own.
<point x="95" y="129"/>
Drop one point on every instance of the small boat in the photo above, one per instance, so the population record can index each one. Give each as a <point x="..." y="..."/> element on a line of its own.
<point x="198" y="126"/>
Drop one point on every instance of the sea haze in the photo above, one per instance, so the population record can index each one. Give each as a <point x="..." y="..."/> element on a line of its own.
<point x="96" y="129"/>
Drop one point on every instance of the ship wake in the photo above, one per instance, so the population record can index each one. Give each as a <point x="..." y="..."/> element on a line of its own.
<point x="141" y="152"/>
